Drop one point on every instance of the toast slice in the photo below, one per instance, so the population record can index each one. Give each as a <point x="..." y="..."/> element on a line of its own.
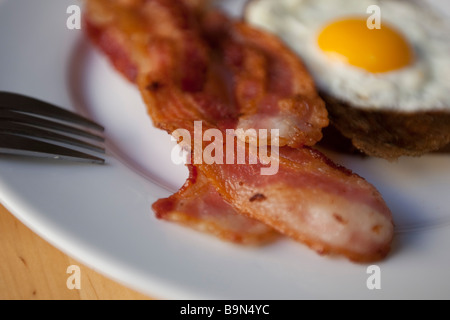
<point x="388" y="134"/>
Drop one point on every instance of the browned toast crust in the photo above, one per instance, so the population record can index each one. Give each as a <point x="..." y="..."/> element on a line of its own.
<point x="389" y="134"/>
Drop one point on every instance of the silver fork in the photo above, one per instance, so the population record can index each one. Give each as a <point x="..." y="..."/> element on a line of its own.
<point x="32" y="127"/>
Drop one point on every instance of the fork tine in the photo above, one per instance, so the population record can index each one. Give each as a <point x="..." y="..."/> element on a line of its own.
<point x="12" y="144"/>
<point x="34" y="132"/>
<point x="47" y="124"/>
<point x="18" y="102"/>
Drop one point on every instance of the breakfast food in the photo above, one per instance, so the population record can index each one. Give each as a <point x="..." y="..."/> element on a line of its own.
<point x="311" y="200"/>
<point x="192" y="64"/>
<point x="386" y="89"/>
<point x="265" y="95"/>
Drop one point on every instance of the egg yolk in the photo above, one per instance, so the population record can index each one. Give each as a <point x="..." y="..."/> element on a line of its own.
<point x="375" y="50"/>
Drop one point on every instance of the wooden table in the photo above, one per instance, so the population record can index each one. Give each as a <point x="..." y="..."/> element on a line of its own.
<point x="30" y="268"/>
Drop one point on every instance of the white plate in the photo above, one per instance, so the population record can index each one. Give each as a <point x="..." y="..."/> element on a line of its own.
<point x="101" y="215"/>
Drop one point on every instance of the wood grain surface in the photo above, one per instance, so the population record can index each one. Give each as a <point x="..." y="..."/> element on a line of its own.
<point x="31" y="268"/>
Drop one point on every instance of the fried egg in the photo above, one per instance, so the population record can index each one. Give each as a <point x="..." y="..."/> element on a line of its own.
<point x="404" y="65"/>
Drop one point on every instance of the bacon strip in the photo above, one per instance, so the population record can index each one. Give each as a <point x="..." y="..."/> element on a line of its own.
<point x="194" y="65"/>
<point x="225" y="73"/>
<point x="312" y="200"/>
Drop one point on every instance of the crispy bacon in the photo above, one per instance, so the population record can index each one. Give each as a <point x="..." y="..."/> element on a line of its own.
<point x="312" y="200"/>
<point x="198" y="205"/>
<point x="192" y="65"/>
<point x="210" y="68"/>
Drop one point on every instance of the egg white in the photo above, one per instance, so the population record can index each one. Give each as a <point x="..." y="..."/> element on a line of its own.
<point x="424" y="85"/>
